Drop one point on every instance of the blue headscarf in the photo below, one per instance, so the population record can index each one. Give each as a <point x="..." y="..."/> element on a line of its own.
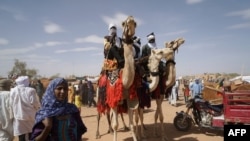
<point x="52" y="107"/>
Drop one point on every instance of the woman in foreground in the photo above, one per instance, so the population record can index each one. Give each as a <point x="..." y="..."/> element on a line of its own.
<point x="58" y="120"/>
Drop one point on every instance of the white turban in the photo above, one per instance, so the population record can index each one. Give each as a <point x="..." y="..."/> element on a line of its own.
<point x="23" y="80"/>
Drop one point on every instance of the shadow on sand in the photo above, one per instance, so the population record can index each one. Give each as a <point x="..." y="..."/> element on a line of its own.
<point x="174" y="135"/>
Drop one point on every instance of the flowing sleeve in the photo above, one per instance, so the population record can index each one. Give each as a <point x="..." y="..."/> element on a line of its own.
<point x="36" y="131"/>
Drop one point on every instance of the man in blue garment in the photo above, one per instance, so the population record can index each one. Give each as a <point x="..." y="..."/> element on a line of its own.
<point x="196" y="88"/>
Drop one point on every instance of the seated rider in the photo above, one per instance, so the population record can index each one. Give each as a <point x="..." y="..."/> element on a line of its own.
<point x="113" y="46"/>
<point x="136" y="47"/>
<point x="146" y="50"/>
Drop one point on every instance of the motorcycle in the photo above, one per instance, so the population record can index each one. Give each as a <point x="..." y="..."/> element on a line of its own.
<point x="202" y="114"/>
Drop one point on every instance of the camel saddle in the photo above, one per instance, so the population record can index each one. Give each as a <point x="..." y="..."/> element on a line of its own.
<point x="110" y="64"/>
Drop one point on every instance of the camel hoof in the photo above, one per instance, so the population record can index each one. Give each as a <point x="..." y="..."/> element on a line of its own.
<point x="125" y="128"/>
<point x="110" y="131"/>
<point x="98" y="136"/>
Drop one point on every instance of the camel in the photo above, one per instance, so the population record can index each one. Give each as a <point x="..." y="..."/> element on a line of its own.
<point x="168" y="76"/>
<point x="126" y="75"/>
<point x="102" y="107"/>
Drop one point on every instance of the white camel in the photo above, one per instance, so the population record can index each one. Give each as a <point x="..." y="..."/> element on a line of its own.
<point x="170" y="74"/>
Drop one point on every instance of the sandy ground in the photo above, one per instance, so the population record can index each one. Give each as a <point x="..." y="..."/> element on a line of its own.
<point x="195" y="134"/>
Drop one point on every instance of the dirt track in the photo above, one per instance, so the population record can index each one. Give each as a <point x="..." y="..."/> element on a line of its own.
<point x="89" y="117"/>
<point x="195" y="134"/>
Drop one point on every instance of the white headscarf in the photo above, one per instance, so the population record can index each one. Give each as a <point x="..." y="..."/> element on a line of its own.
<point x="23" y="81"/>
<point x="152" y="45"/>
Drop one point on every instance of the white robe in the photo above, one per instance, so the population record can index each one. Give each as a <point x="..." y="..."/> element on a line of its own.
<point x="6" y="117"/>
<point x="25" y="104"/>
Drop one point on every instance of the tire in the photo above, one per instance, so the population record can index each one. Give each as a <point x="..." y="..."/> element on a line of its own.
<point x="182" y="126"/>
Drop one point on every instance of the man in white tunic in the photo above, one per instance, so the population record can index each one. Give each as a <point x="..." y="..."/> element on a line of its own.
<point x="25" y="104"/>
<point x="6" y="115"/>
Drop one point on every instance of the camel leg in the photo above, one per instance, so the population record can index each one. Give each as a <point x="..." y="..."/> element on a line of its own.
<point x="136" y="123"/>
<point x="157" y="112"/>
<point x="140" y="115"/>
<point x="98" y="121"/>
<point x="125" y="127"/>
<point x="110" y="130"/>
<point x="115" y="123"/>
<point x="131" y="123"/>
<point x="161" y="117"/>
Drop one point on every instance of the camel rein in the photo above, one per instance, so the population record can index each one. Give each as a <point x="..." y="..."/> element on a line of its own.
<point x="168" y="62"/>
<point x="125" y="31"/>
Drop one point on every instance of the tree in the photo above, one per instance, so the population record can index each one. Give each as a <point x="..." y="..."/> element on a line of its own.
<point x="55" y="76"/>
<point x="20" y="68"/>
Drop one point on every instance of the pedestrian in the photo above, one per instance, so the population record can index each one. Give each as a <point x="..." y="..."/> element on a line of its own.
<point x="78" y="101"/>
<point x="25" y="103"/>
<point x="174" y="95"/>
<point x="90" y="93"/>
<point x="6" y="115"/>
<point x="57" y="120"/>
<point x="71" y="93"/>
<point x="177" y="85"/>
<point x="39" y="89"/>
<point x="186" y="92"/>
<point x="83" y="92"/>
<point x="196" y="88"/>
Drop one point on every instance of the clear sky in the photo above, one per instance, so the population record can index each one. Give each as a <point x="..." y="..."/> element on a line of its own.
<point x="66" y="36"/>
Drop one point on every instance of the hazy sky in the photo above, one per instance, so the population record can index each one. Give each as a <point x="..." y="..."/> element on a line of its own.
<point x="66" y="36"/>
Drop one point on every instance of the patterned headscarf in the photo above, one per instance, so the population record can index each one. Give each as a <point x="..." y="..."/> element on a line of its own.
<point x="52" y="107"/>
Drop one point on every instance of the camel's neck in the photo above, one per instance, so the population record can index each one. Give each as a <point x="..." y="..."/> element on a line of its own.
<point x="127" y="40"/>
<point x="129" y="68"/>
<point x="171" y="74"/>
<point x="154" y="82"/>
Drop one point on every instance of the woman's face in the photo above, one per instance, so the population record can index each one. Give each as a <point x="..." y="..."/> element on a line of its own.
<point x="61" y="92"/>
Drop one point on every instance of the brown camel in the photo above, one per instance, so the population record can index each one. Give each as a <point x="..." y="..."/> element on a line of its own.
<point x="126" y="74"/>
<point x="102" y="106"/>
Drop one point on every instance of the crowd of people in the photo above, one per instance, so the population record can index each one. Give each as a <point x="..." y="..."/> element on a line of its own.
<point x="24" y="115"/>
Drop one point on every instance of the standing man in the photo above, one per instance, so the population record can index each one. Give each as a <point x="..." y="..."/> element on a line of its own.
<point x="90" y="93"/>
<point x="71" y="93"/>
<point x="83" y="92"/>
<point x="196" y="88"/>
<point x="6" y="115"/>
<point x="39" y="89"/>
<point x="177" y="85"/>
<point x="173" y="97"/>
<point x="25" y="104"/>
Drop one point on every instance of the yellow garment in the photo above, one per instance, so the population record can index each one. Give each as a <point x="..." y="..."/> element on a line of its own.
<point x="71" y="94"/>
<point x="78" y="101"/>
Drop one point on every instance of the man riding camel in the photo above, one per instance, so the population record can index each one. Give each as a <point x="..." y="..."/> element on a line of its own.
<point x="113" y="46"/>
<point x="146" y="49"/>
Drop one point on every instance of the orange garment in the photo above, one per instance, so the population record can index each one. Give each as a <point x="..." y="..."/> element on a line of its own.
<point x="186" y="91"/>
<point x="71" y="94"/>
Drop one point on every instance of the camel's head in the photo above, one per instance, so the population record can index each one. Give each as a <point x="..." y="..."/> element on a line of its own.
<point x="175" y="44"/>
<point x="171" y="47"/>
<point x="129" y="26"/>
<point x="154" y="59"/>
